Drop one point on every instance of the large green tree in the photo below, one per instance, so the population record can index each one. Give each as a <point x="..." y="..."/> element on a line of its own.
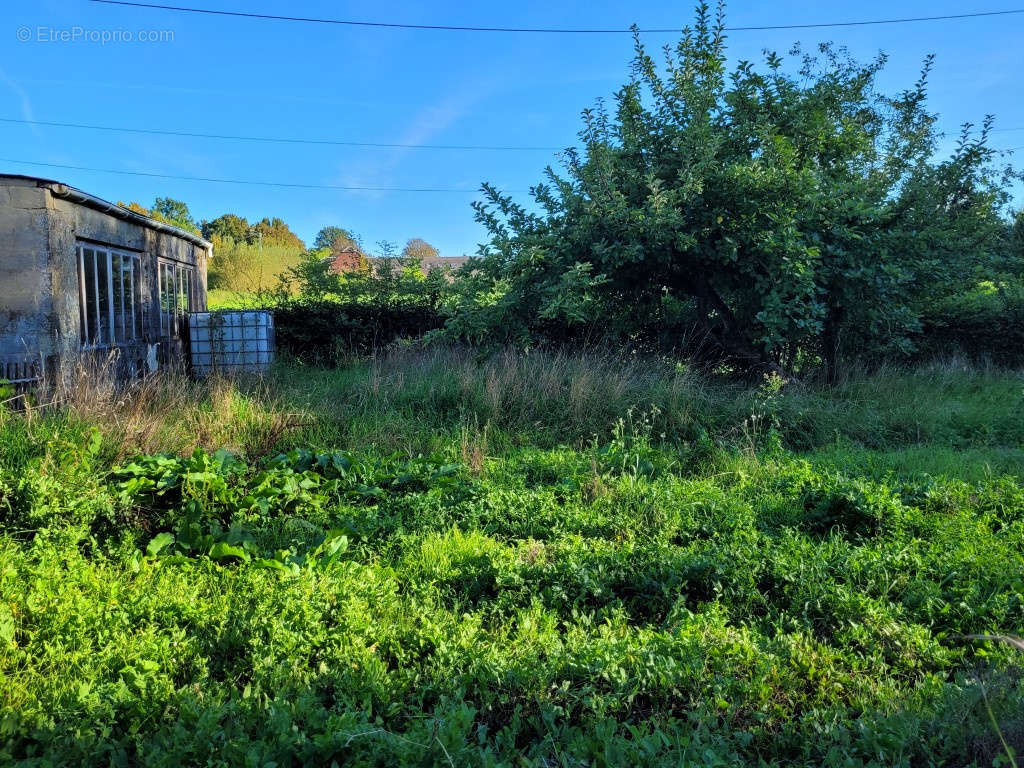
<point x="227" y="226"/>
<point x="417" y="249"/>
<point x="1017" y="239"/>
<point x="336" y="238"/>
<point x="167" y="210"/>
<point x="174" y="212"/>
<point x="274" y="231"/>
<point x="797" y="213"/>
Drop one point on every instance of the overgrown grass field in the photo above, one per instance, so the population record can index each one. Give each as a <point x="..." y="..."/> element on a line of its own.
<point x="433" y="559"/>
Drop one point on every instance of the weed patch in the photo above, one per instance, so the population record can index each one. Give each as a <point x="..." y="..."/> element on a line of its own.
<point x="644" y="591"/>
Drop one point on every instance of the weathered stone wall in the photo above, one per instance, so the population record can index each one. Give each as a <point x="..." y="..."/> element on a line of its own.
<point x="25" y="292"/>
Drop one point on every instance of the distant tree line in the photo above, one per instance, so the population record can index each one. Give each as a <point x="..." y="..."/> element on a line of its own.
<point x="266" y="231"/>
<point x="334" y="240"/>
<point x="167" y="210"/>
<point x="256" y="256"/>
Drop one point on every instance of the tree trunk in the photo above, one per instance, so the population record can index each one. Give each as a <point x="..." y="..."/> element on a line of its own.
<point x="732" y="339"/>
<point x="830" y="341"/>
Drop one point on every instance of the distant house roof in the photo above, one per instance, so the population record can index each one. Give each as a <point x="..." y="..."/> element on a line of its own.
<point x="347" y="259"/>
<point x="434" y="262"/>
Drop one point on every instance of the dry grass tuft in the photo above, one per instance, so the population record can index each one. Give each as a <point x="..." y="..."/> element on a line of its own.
<point x="473" y="448"/>
<point x="172" y="412"/>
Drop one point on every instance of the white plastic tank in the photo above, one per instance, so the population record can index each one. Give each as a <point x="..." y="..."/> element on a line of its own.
<point x="231" y="342"/>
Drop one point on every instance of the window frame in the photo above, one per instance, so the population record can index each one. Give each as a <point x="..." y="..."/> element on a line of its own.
<point x="110" y="327"/>
<point x="175" y="286"/>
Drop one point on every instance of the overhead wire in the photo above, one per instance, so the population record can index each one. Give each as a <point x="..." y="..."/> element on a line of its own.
<point x="281" y="139"/>
<point x="545" y="30"/>
<point x="397" y="145"/>
<point x="247" y="182"/>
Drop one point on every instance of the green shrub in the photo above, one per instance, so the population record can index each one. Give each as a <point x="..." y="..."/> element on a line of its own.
<point x="983" y="324"/>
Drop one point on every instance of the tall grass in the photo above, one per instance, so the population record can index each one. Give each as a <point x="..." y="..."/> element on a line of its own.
<point x="414" y="399"/>
<point x="167" y="412"/>
<point x="560" y="398"/>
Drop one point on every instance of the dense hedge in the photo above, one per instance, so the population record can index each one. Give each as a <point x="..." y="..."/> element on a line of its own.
<point x="985" y="325"/>
<point x="326" y="331"/>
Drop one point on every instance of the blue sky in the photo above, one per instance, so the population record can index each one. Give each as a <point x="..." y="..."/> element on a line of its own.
<point x="272" y="78"/>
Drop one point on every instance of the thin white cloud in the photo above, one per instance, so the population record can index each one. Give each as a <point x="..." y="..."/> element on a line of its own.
<point x="425" y="126"/>
<point x="22" y="94"/>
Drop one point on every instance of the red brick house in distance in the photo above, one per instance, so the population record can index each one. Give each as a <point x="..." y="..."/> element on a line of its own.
<point x="349" y="259"/>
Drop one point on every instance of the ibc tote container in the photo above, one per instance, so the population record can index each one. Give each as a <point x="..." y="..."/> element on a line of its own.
<point x="231" y="342"/>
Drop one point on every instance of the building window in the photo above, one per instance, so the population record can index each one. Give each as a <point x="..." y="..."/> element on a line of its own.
<point x="176" y="291"/>
<point x="110" y="296"/>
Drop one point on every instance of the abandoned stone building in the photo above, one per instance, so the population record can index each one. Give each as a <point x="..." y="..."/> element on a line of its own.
<point x="83" y="278"/>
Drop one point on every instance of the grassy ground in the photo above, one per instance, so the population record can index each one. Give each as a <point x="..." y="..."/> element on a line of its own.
<point x="525" y="560"/>
<point x="227" y="298"/>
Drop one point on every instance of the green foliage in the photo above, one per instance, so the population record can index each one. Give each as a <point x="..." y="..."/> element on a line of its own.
<point x="274" y="231"/>
<point x="1017" y="239"/>
<point x="227" y="227"/>
<point x="797" y="216"/>
<point x="336" y="238"/>
<point x="983" y="323"/>
<point x="174" y="212"/>
<point x="570" y="577"/>
<point x="216" y="506"/>
<point x="168" y="210"/>
<point x="250" y="259"/>
<point x="246" y="267"/>
<point x="267" y="232"/>
<point x="328" y="332"/>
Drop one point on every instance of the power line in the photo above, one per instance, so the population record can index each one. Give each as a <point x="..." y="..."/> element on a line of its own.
<point x="545" y="30"/>
<point x="257" y="183"/>
<point x="279" y="139"/>
<point x="320" y="142"/>
<point x="338" y="187"/>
